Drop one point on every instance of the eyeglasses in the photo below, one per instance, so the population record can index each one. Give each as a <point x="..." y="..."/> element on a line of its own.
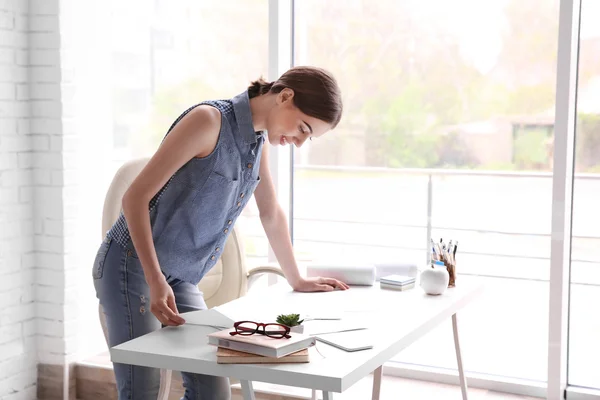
<point x="247" y="328"/>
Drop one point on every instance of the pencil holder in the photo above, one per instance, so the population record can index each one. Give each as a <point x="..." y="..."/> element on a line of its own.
<point x="445" y="255"/>
<point x="451" y="267"/>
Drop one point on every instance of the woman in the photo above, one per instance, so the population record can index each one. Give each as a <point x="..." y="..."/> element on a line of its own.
<point x="181" y="208"/>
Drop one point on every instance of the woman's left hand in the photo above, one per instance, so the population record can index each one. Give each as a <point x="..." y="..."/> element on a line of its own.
<point x="319" y="284"/>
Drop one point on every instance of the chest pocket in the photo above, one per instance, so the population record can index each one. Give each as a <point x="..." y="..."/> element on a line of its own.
<point x="218" y="196"/>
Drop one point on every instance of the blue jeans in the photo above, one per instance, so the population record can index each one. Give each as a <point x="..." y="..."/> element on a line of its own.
<point x="125" y="298"/>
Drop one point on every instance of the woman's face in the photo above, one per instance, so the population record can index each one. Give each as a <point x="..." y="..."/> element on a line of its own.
<point x="286" y="124"/>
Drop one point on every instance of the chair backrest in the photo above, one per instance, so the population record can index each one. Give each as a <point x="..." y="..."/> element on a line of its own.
<point x="226" y="281"/>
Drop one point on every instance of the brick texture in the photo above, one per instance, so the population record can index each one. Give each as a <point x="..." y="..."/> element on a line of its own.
<point x="55" y="140"/>
<point x="18" y="355"/>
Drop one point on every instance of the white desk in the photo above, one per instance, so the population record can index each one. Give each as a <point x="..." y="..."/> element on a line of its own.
<point x="396" y="319"/>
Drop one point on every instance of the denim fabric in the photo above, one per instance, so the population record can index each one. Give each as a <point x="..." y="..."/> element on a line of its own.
<point x="125" y="298"/>
<point x="193" y="214"/>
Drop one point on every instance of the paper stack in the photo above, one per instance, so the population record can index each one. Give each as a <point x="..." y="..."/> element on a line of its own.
<point x="397" y="282"/>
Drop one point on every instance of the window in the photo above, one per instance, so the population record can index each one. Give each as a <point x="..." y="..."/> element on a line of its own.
<point x="165" y="57"/>
<point x="584" y="323"/>
<point x="457" y="93"/>
<point x="448" y="130"/>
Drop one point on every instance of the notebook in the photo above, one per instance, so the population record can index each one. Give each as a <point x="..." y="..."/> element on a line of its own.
<point x="261" y="344"/>
<point x="396" y="279"/>
<point x="407" y="286"/>
<point x="349" y="341"/>
<point x="228" y="356"/>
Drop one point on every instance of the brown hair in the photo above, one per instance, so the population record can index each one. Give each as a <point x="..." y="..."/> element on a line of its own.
<point x="316" y="92"/>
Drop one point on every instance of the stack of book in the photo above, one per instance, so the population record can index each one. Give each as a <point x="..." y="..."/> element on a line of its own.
<point x="397" y="282"/>
<point x="260" y="349"/>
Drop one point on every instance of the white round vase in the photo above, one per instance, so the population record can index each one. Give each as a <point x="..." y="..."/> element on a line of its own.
<point x="435" y="280"/>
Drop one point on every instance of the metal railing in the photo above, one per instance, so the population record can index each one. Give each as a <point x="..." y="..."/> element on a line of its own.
<point x="430" y="175"/>
<point x="440" y="172"/>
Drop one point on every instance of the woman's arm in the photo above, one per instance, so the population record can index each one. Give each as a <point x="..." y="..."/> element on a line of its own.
<point x="276" y="227"/>
<point x="195" y="135"/>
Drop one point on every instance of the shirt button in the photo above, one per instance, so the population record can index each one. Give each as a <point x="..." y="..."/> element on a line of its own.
<point x="212" y="258"/>
<point x="217" y="249"/>
<point x="239" y="204"/>
<point x="242" y="195"/>
<point x="225" y="230"/>
<point x="229" y="222"/>
<point x="249" y="165"/>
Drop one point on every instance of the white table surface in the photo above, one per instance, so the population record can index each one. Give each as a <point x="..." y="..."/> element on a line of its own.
<point x="395" y="320"/>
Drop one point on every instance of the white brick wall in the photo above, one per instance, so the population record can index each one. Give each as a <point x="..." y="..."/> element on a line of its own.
<point x="17" y="257"/>
<point x="45" y="125"/>
<point x="55" y="142"/>
<point x="37" y="317"/>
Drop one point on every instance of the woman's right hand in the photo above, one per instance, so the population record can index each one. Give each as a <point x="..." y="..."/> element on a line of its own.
<point x="182" y="144"/>
<point x="162" y="303"/>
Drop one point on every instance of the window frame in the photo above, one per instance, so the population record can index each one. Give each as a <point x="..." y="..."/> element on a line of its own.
<point x="281" y="50"/>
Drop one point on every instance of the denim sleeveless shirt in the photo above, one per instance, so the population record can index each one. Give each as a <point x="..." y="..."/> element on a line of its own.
<point x="195" y="211"/>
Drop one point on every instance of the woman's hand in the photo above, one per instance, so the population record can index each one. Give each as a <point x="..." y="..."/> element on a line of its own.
<point x="162" y="303"/>
<point x="319" y="284"/>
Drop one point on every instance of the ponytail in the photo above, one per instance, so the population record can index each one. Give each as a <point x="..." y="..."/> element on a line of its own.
<point x="259" y="87"/>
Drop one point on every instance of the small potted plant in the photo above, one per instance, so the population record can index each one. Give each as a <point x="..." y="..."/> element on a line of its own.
<point x="292" y="321"/>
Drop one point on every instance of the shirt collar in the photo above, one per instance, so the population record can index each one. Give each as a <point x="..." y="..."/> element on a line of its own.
<point x="243" y="116"/>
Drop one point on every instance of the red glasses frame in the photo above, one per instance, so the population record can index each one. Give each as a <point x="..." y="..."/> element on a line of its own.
<point x="245" y="331"/>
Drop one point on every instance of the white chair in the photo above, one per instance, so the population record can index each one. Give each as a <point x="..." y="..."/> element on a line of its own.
<point x="228" y="279"/>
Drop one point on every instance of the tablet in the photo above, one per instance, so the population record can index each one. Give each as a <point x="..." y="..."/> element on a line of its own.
<point x="349" y="341"/>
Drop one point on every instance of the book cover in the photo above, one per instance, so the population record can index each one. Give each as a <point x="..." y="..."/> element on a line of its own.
<point x="261" y="344"/>
<point x="228" y="356"/>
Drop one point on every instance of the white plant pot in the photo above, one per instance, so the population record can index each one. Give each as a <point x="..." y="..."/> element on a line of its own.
<point x="434" y="281"/>
<point x="297" y="329"/>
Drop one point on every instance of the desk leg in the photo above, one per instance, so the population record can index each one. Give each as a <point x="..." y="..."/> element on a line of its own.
<point x="461" y="372"/>
<point x="314" y="395"/>
<point x="247" y="390"/>
<point x="377" y="375"/>
<point x="327" y="395"/>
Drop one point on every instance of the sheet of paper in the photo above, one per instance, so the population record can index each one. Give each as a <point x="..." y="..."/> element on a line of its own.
<point x="210" y="317"/>
<point x="319" y="327"/>
<point x="320" y="309"/>
<point x="332" y="322"/>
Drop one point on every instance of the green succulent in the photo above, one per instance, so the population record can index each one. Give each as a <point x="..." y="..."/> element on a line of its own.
<point x="289" y="319"/>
